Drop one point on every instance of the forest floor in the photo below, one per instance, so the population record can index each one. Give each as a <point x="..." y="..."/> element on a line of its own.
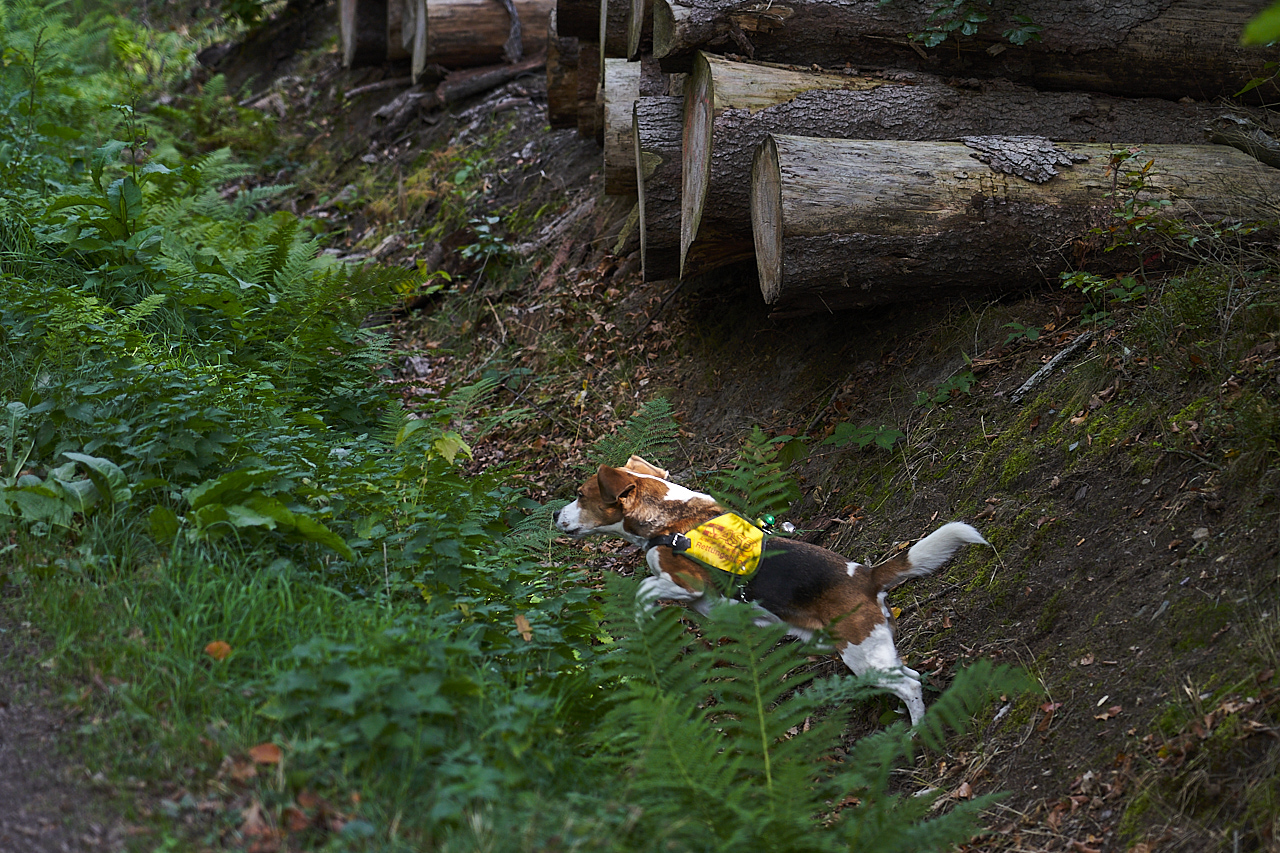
<point x="1133" y="496"/>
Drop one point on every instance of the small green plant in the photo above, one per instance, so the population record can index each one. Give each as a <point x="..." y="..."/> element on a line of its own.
<point x="758" y="484"/>
<point x="648" y="433"/>
<point x="949" y="389"/>
<point x="1021" y="333"/>
<point x="1103" y="293"/>
<point x="956" y="18"/>
<point x="863" y="436"/>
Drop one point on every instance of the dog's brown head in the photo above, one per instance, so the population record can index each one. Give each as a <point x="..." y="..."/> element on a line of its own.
<point x="635" y="502"/>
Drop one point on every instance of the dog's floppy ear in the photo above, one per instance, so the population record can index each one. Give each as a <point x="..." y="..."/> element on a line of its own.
<point x="615" y="484"/>
<point x="635" y="463"/>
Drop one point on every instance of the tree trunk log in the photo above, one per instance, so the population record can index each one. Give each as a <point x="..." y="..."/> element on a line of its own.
<point x="655" y="130"/>
<point x="590" y="107"/>
<point x="621" y="88"/>
<point x="416" y="35"/>
<point x="731" y="106"/>
<point x="1158" y="48"/>
<point x="562" y="77"/>
<point x="639" y="28"/>
<point x="362" y="27"/>
<point x="847" y="223"/>
<point x="472" y="33"/>
<point x="613" y="30"/>
<point x="398" y="13"/>
<point x="579" y="19"/>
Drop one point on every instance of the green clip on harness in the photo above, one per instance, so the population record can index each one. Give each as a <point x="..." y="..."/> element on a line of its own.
<point x="729" y="543"/>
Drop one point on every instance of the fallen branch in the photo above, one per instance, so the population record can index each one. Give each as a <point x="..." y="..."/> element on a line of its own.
<point x="1041" y="374"/>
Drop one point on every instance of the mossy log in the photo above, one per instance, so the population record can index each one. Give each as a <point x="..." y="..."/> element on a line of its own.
<point x="843" y="223"/>
<point x="732" y="106"/>
<point x="1156" y="48"/>
<point x="655" y="130"/>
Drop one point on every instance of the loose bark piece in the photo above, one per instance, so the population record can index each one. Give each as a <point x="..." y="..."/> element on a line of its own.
<point x="731" y="106"/>
<point x="473" y="33"/>
<point x="846" y="223"/>
<point x="1146" y="48"/>
<point x="621" y="88"/>
<point x="362" y="27"/>
<point x="1032" y="158"/>
<point x="655" y="129"/>
<point x="513" y="47"/>
<point x="562" y="77"/>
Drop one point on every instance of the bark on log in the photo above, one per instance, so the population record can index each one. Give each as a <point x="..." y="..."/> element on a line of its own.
<point x="847" y="223"/>
<point x="613" y="28"/>
<point x="621" y="88"/>
<point x="562" y="77"/>
<point x="362" y="28"/>
<point x="590" y="106"/>
<point x="1146" y="48"/>
<point x="639" y="28"/>
<point x="655" y="129"/>
<point x="472" y="33"/>
<point x="731" y="106"/>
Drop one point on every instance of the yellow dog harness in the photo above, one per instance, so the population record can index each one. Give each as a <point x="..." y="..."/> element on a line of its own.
<point x="727" y="542"/>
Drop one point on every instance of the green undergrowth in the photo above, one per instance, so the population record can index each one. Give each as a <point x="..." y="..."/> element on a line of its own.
<point x="262" y="587"/>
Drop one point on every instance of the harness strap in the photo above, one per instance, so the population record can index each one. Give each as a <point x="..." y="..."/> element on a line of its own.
<point x="674" y="541"/>
<point x="728" y="543"/>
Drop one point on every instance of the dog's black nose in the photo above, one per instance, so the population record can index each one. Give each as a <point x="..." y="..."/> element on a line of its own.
<point x="555" y="516"/>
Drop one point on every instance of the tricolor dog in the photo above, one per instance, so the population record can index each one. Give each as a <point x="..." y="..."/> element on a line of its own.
<point x="808" y="587"/>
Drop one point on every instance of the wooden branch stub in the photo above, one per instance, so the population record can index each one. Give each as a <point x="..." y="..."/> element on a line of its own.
<point x="1032" y="158"/>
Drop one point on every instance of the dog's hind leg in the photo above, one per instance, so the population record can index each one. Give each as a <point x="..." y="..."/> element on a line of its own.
<point x="877" y="654"/>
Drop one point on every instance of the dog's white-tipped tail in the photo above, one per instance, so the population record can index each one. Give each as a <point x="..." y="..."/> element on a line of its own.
<point x="936" y="548"/>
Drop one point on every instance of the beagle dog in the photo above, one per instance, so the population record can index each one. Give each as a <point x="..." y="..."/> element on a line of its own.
<point x="806" y="586"/>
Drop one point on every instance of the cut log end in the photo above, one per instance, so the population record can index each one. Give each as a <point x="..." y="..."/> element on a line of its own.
<point x="698" y="118"/>
<point x="766" y="219"/>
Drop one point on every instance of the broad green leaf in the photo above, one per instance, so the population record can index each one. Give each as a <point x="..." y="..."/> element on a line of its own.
<point x="164" y="523"/>
<point x="1264" y="28"/>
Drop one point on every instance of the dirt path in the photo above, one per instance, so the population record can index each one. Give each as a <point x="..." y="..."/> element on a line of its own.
<point x="47" y="803"/>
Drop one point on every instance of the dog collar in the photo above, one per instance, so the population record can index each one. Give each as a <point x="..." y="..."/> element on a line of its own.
<point x="727" y="542"/>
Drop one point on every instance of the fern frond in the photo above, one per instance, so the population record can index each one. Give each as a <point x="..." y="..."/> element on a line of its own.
<point x="649" y="433"/>
<point x="467" y="397"/>
<point x="390" y="420"/>
<point x="756" y="484"/>
<point x="973" y="687"/>
<point x="142" y="310"/>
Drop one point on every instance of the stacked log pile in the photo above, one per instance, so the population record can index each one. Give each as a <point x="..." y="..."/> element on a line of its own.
<point x="858" y="165"/>
<point x="451" y="34"/>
